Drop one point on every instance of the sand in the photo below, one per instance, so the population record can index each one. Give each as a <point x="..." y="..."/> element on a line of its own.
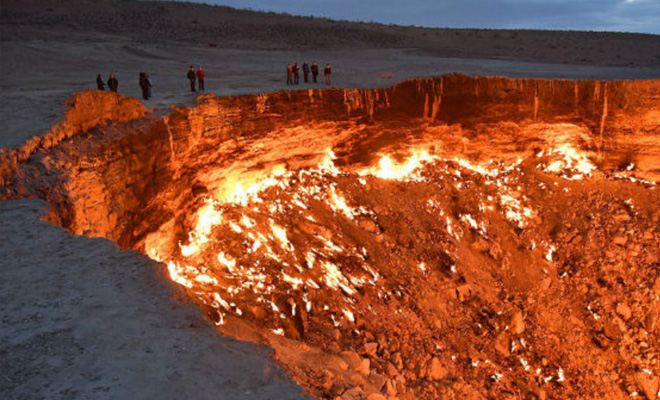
<point x="81" y="319"/>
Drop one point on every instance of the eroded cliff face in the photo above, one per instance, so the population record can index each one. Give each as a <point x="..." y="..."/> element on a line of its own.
<point x="445" y="236"/>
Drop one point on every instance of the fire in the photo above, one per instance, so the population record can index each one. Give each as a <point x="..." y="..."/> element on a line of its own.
<point x="568" y="162"/>
<point x="256" y="256"/>
<point x="389" y="169"/>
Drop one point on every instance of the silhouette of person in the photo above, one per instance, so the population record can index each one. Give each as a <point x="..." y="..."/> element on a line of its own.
<point x="296" y="74"/>
<point x="100" y="85"/>
<point x="327" y="72"/>
<point x="200" y="77"/>
<point x="192" y="76"/>
<point x="305" y="69"/>
<point x="144" y="86"/>
<point x="113" y="83"/>
<point x="315" y="71"/>
<point x="289" y="75"/>
<point x="147" y="80"/>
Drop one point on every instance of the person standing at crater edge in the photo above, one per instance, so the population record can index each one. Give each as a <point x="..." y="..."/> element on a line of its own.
<point x="192" y="77"/>
<point x="315" y="71"/>
<point x="147" y="80"/>
<point x="100" y="85"/>
<point x="143" y="85"/>
<point x="296" y="73"/>
<point x="113" y="83"/>
<point x="327" y="72"/>
<point x="305" y="68"/>
<point x="200" y="77"/>
<point x="289" y="75"/>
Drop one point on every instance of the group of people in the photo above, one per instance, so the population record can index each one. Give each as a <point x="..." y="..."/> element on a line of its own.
<point x="145" y="82"/>
<point x="113" y="83"/>
<point x="199" y="76"/>
<point x="196" y="78"/>
<point x="293" y="73"/>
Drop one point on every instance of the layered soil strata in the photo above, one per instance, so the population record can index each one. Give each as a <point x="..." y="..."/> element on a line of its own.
<point x="455" y="236"/>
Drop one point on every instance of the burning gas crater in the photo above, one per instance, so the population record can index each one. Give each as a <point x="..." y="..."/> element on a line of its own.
<point x="462" y="237"/>
<point x="345" y="259"/>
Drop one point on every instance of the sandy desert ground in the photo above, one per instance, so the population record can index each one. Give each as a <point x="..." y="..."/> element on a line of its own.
<point x="81" y="319"/>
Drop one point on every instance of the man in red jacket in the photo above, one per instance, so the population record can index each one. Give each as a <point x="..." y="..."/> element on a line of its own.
<point x="200" y="77"/>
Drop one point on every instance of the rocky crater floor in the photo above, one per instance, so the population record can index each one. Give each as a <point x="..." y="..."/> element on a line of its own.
<point x="451" y="237"/>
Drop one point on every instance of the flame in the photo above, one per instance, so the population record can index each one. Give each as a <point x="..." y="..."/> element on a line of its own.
<point x="571" y="164"/>
<point x="255" y="218"/>
<point x="389" y="169"/>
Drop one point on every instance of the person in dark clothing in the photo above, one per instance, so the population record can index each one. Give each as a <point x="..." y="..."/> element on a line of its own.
<point x="315" y="71"/>
<point x="113" y="83"/>
<point x="289" y="75"/>
<point x="296" y="74"/>
<point x="144" y="86"/>
<point x="100" y="85"/>
<point x="200" y="77"/>
<point x="147" y="79"/>
<point x="306" y="71"/>
<point x="192" y="77"/>
<point x="327" y="72"/>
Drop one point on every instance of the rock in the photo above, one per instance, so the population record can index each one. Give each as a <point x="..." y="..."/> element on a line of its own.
<point x="376" y="396"/>
<point x="356" y="393"/>
<point x="517" y="323"/>
<point x="649" y="384"/>
<point x="620" y="240"/>
<point x="377" y="380"/>
<point x="357" y="380"/>
<point x="436" y="371"/>
<point x="365" y="366"/>
<point x="369" y="226"/>
<point x="623" y="310"/>
<point x="390" y="388"/>
<point x="621" y="217"/>
<point x="327" y="379"/>
<point x="369" y="349"/>
<point x="503" y="344"/>
<point x="351" y="358"/>
<point x="391" y="370"/>
<point x="612" y="331"/>
<point x="463" y="292"/>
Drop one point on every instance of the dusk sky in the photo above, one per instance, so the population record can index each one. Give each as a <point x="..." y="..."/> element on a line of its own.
<point x="600" y="15"/>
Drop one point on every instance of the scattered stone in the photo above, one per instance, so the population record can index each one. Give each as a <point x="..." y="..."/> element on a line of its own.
<point x="369" y="226"/>
<point x="649" y="384"/>
<point x="621" y="217"/>
<point x="370" y="349"/>
<point x="357" y="380"/>
<point x="390" y="388"/>
<point x="624" y="311"/>
<point x="377" y="380"/>
<point x="503" y="344"/>
<point x="517" y="323"/>
<point x="356" y="393"/>
<point x="351" y="358"/>
<point x="463" y="292"/>
<point x="620" y="240"/>
<point x="436" y="371"/>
